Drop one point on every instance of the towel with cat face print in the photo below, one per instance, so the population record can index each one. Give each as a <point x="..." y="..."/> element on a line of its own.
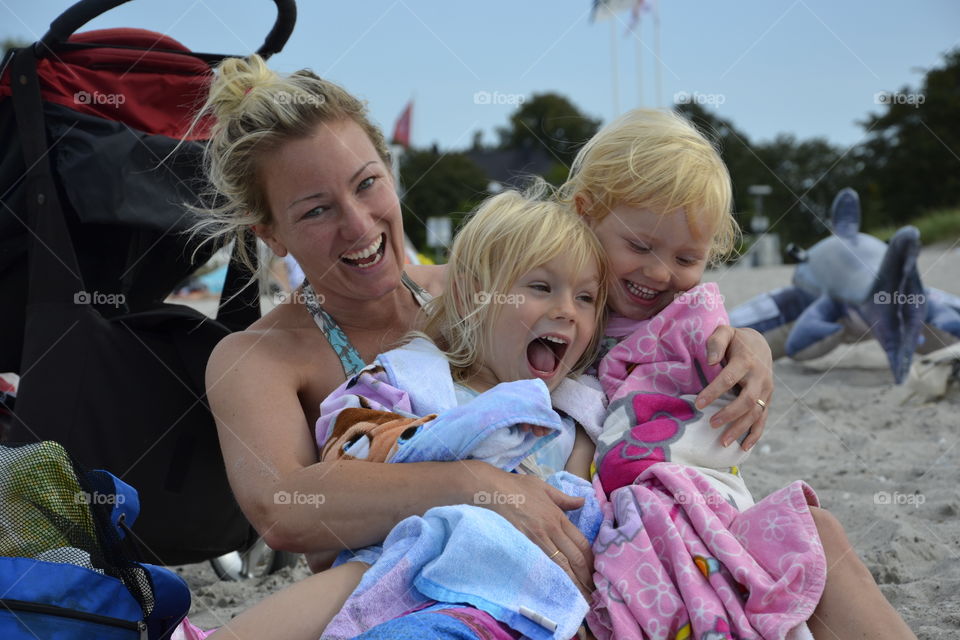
<point x="383" y="414"/>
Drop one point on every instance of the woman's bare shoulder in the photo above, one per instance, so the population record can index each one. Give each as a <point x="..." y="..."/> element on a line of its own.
<point x="428" y="276"/>
<point x="271" y="335"/>
<point x="279" y="346"/>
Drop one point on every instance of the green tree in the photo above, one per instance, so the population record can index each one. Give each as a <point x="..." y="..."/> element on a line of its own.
<point x="745" y="166"/>
<point x="804" y="176"/>
<point x="438" y="184"/>
<point x="911" y="157"/>
<point x="11" y="43"/>
<point x="808" y="175"/>
<point x="549" y="121"/>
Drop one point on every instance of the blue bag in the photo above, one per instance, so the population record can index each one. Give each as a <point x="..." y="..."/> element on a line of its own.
<point x="65" y="571"/>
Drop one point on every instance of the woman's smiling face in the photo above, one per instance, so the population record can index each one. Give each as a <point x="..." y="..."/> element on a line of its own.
<point x="652" y="258"/>
<point x="334" y="207"/>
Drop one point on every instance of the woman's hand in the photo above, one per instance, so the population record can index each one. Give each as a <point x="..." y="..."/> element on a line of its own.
<point x="537" y="510"/>
<point x="749" y="365"/>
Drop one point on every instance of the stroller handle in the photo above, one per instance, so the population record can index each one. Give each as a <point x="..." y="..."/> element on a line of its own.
<point x="86" y="10"/>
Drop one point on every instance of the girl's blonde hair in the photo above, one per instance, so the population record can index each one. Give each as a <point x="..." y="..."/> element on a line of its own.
<point x="509" y="235"/>
<point x="659" y="161"/>
<point x="254" y="111"/>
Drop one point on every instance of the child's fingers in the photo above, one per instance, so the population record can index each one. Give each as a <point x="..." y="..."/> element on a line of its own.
<point x="535" y="429"/>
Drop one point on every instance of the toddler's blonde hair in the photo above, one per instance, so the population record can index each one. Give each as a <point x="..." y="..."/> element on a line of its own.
<point x="656" y="160"/>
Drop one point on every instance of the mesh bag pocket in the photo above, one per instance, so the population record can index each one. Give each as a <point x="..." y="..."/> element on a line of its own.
<point x="53" y="513"/>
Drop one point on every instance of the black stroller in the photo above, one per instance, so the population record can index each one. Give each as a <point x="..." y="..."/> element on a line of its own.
<point x="92" y="241"/>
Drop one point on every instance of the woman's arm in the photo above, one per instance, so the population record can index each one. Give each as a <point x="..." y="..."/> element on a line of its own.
<point x="749" y="365"/>
<point x="294" y="502"/>
<point x="299" y="504"/>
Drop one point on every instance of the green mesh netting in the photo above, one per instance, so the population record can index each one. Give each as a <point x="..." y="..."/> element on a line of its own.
<point x="52" y="511"/>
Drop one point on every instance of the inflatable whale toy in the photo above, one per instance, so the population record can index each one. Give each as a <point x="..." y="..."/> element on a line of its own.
<point x="852" y="286"/>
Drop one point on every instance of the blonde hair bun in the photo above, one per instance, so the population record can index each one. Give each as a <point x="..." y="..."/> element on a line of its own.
<point x="235" y="79"/>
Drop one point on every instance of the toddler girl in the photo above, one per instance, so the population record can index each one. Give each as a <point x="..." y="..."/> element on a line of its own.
<point x="675" y="557"/>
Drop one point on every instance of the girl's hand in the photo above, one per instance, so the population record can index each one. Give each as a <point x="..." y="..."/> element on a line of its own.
<point x="749" y="365"/>
<point x="536" y="510"/>
<point x="536" y="429"/>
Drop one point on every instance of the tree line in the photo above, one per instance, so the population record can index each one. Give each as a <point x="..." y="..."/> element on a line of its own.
<point x="907" y="164"/>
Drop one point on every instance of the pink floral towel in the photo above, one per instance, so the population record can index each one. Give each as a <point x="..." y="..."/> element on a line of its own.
<point x="674" y="560"/>
<point x="659" y="355"/>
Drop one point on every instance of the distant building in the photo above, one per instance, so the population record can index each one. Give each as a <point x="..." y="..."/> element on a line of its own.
<point x="509" y="167"/>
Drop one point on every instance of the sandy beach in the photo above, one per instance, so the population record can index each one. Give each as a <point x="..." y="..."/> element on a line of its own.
<point x="889" y="470"/>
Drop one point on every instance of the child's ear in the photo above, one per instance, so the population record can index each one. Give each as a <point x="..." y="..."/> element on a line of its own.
<point x="583" y="202"/>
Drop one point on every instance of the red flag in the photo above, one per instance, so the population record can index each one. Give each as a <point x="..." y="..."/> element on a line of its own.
<point x="401" y="130"/>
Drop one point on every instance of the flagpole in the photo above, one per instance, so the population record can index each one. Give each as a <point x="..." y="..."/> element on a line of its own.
<point x="656" y="52"/>
<point x="613" y="66"/>
<point x="638" y="47"/>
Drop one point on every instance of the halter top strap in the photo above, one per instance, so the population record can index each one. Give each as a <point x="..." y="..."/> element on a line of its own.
<point x="421" y="295"/>
<point x="350" y="358"/>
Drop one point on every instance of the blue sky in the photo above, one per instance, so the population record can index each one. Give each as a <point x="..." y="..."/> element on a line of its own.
<point x="807" y="67"/>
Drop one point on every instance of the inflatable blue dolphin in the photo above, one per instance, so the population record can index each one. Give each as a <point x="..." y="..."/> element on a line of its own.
<point x="851" y="286"/>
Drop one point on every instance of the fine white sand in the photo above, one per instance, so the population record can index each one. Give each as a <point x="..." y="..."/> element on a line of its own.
<point x="889" y="471"/>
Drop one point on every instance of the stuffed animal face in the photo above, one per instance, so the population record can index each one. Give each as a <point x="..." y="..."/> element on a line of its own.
<point x="366" y="434"/>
